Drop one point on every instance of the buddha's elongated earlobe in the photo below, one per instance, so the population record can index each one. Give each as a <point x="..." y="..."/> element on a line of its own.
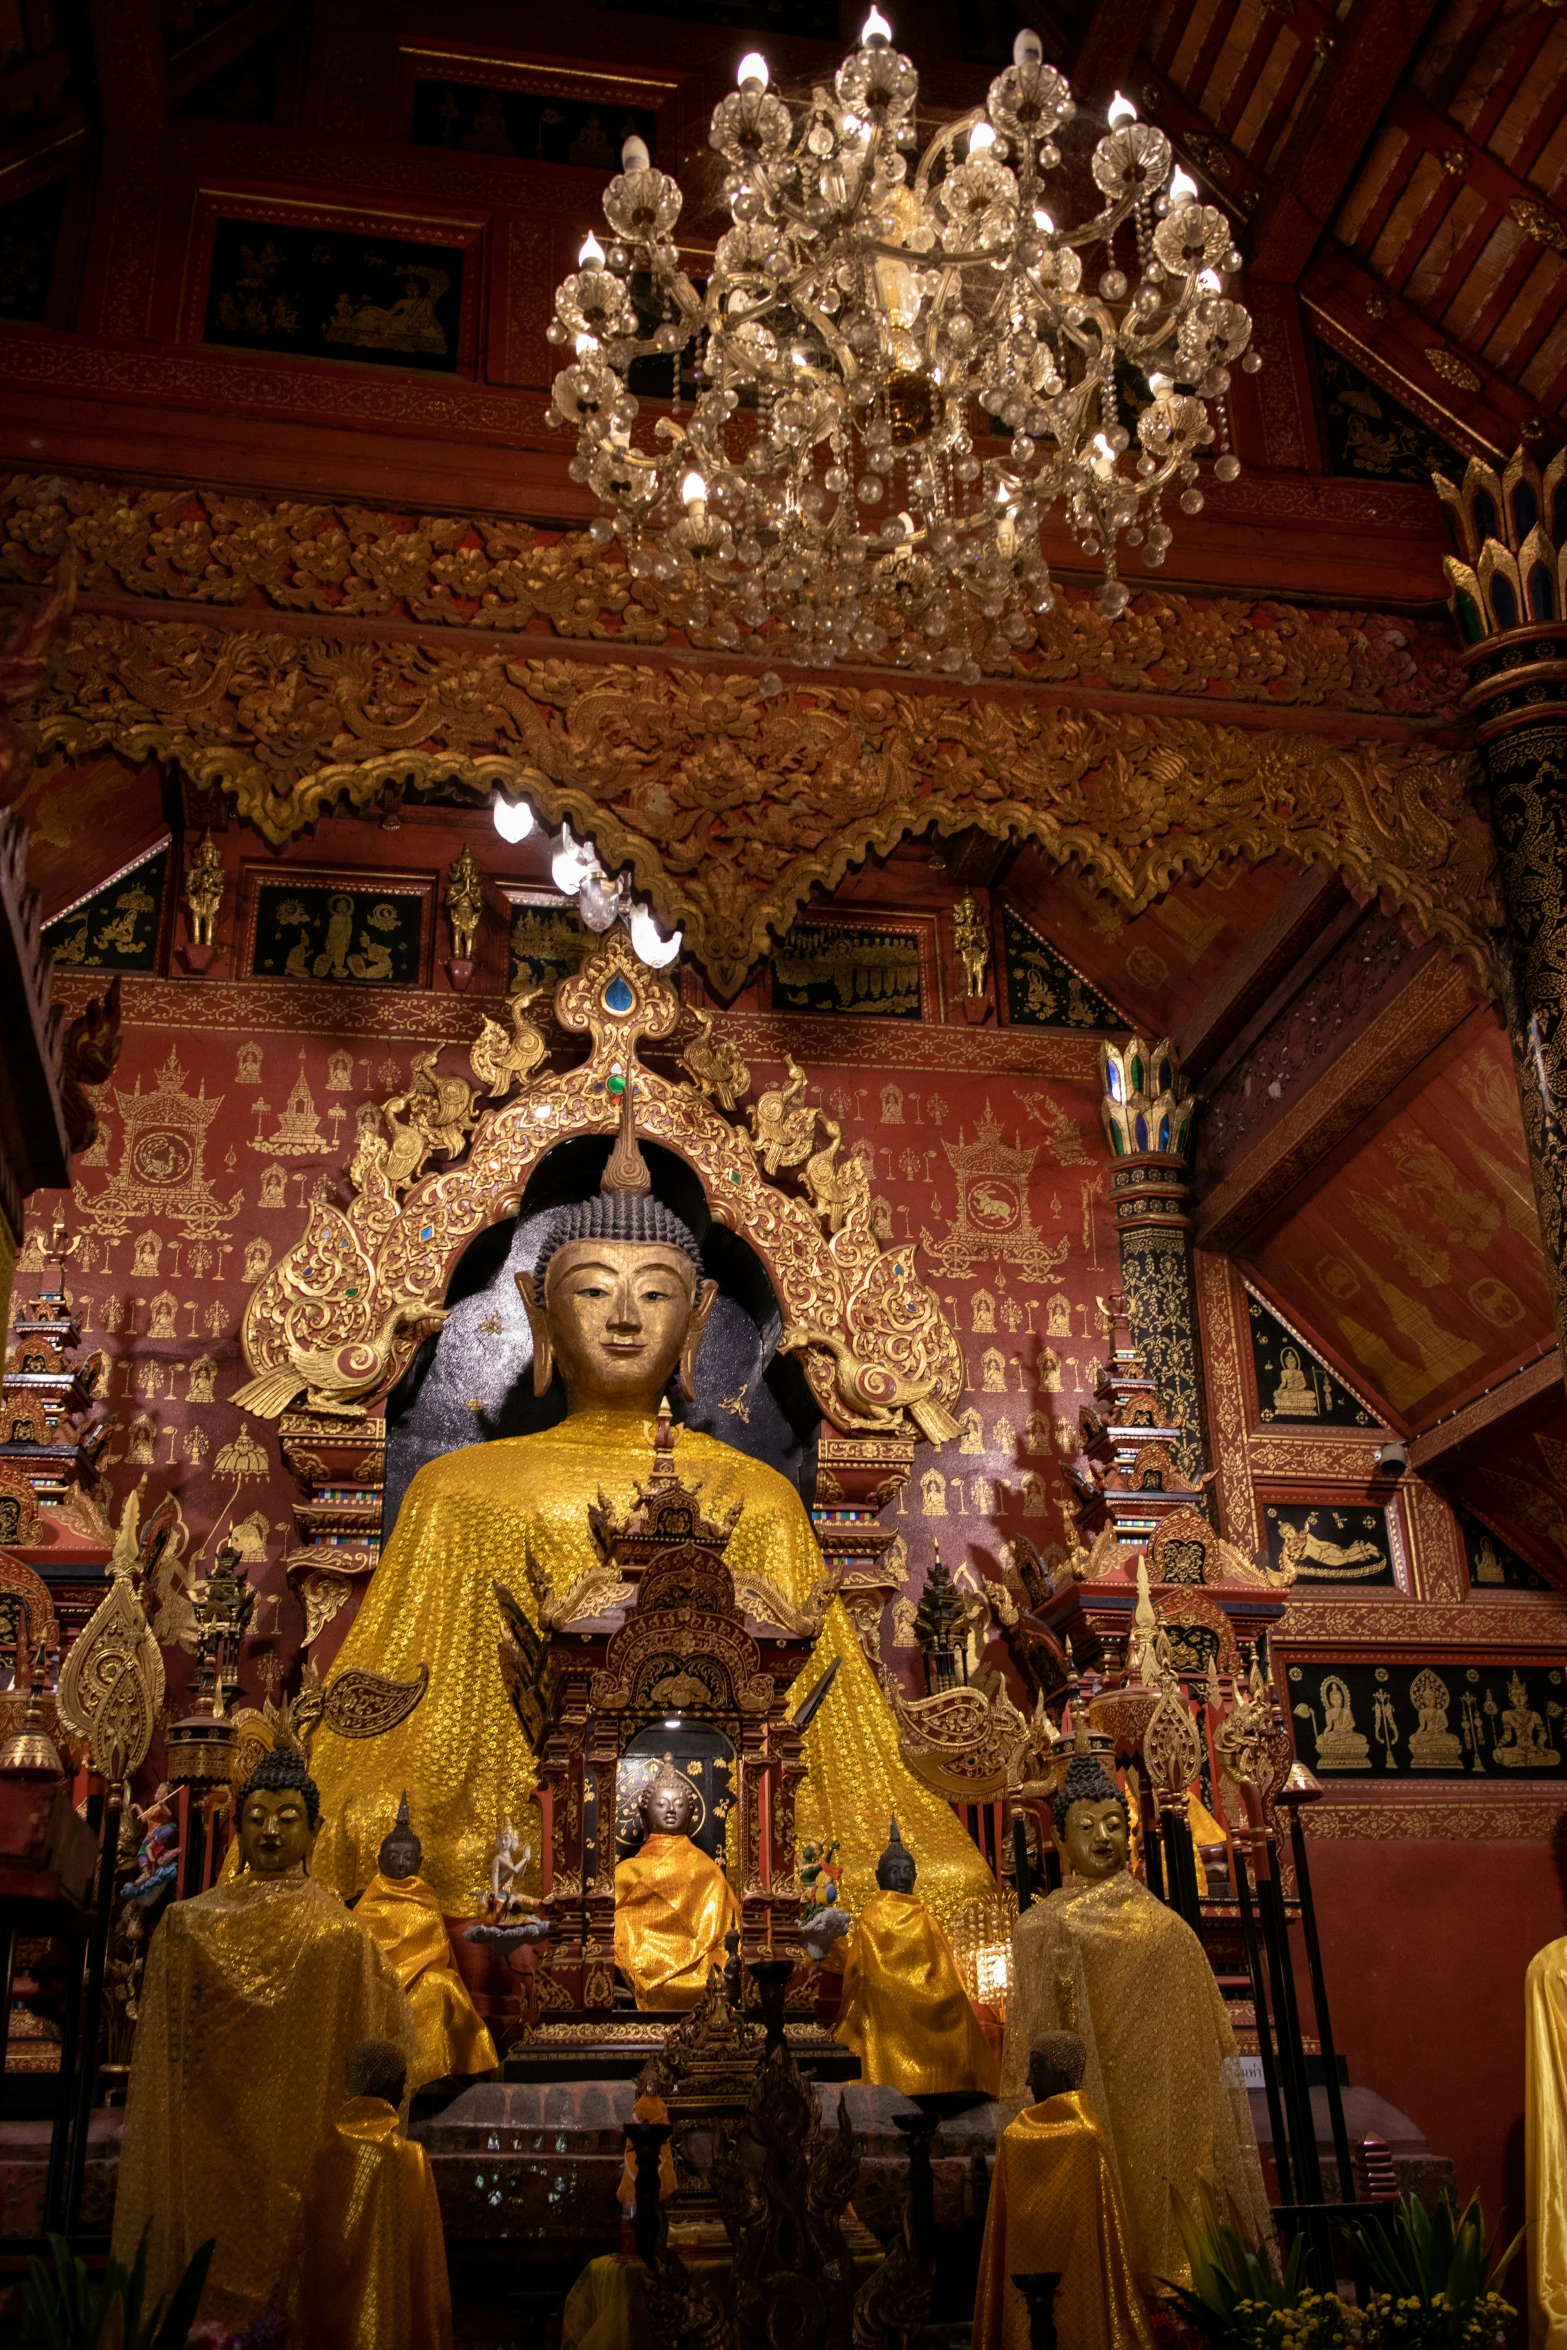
<point x="538" y="1323"/>
<point x="706" y="1296"/>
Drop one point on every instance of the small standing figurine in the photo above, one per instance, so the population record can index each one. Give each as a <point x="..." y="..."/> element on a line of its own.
<point x="673" y="1906"/>
<point x="204" y="893"/>
<point x="464" y="904"/>
<point x="968" y="931"/>
<point x="905" y="2012"/>
<point x="1104" y="1958"/>
<point x="404" y="1915"/>
<point x="158" y="1855"/>
<point x="1054" y="2208"/>
<point x="369" y="2270"/>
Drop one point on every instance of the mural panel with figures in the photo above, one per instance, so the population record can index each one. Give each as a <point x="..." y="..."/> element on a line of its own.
<point x="548" y="941"/>
<point x="382" y="300"/>
<point x="342" y="931"/>
<point x="1493" y="1564"/>
<point x="1447" y="1718"/>
<point x="854" y="967"/>
<point x="1331" y="1542"/>
<point x="117" y="928"/>
<point x="1294" y="1386"/>
<point x="1043" y="989"/>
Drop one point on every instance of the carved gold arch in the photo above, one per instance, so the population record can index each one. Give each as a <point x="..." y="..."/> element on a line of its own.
<point x="338" y="1318"/>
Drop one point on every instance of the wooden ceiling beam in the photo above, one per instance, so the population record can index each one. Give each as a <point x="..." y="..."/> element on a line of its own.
<point x="1107" y="58"/>
<point x="1498" y="1403"/>
<point x="225" y="44"/>
<point x="1388" y="341"/>
<point x="1270" y="971"/>
<point x="1372" y="51"/>
<point x="1229" y="179"/>
<point x="133" y="78"/>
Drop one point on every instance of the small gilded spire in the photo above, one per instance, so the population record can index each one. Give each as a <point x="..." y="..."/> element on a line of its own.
<point x="627" y="1169"/>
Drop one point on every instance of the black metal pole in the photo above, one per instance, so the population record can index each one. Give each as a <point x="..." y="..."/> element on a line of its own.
<point x="1039" y="2291"/>
<point x="7" y="1976"/>
<point x="97" y="1955"/>
<point x="647" y="2138"/>
<point x="1282" y="2171"/>
<point x="1270" y="1900"/>
<point x="65" y="2102"/>
<point x="1319" y="2001"/>
<point x="1175" y="1831"/>
<point x="1022" y="1875"/>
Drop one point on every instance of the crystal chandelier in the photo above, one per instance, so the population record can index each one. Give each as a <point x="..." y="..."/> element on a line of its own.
<point x="901" y="366"/>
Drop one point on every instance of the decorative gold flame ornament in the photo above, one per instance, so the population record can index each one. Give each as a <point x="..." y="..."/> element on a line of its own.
<point x="112" y="1682"/>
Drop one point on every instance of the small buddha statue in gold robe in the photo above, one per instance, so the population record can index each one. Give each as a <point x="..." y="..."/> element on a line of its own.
<point x="1545" y="2143"/>
<point x="1055" y="2208"/>
<point x="673" y="1906"/>
<point x="904" y="2011"/>
<point x="403" y="1914"/>
<point x="369" y="2267"/>
<point x="1104" y="1958"/>
<point x="618" y="1304"/>
<point x="253" y="1995"/>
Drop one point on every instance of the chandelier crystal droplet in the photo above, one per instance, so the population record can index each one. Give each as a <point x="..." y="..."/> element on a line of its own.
<point x="901" y="367"/>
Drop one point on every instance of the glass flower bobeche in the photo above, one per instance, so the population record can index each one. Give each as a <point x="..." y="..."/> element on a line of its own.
<point x="899" y="366"/>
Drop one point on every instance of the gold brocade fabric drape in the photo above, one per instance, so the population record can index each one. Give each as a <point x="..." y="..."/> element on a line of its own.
<point x="1545" y="2144"/>
<point x="673" y="1907"/>
<point x="370" y="2265"/>
<point x="254" y="1994"/>
<point x="465" y="1523"/>
<point x="1105" y="1959"/>
<point x="405" y="1918"/>
<point x="1054" y="2206"/>
<point x="905" y="2012"/>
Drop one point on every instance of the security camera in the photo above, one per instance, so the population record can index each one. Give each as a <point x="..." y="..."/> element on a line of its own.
<point x="1391" y="1460"/>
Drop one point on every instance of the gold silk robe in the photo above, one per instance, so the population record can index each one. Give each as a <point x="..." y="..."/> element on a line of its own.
<point x="673" y="1907"/>
<point x="405" y="1918"/>
<point x="1104" y="1958"/>
<point x="905" y="2012"/>
<point x="460" y="1755"/>
<point x="1545" y="2144"/>
<point x="254" y="1994"/>
<point x="370" y="2262"/>
<point x="1054" y="2205"/>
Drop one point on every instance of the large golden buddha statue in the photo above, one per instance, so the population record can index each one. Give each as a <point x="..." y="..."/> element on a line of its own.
<point x="618" y="1304"/>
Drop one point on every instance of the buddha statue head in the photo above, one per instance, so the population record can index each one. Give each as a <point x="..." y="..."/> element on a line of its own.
<point x="1090" y="1818"/>
<point x="1056" y="2063"/>
<point x="278" y="1811"/>
<point x="616" y="1300"/>
<point x="668" y="1804"/>
<point x="895" y="1871"/>
<point x="401" y="1851"/>
<point x="377" y="2068"/>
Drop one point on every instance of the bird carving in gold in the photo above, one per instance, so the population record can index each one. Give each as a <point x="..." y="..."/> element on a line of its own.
<point x="716" y="1063"/>
<point x="783" y="1123"/>
<point x="838" y="1189"/>
<point x="500" y="1062"/>
<point x="336" y="1379"/>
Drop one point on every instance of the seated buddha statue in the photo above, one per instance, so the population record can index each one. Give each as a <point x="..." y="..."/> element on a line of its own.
<point x="904" y="2011"/>
<point x="1055" y="2209"/>
<point x="673" y="1906"/>
<point x="404" y="1915"/>
<point x="253" y="1996"/>
<point x="1104" y="1958"/>
<point x="618" y="1304"/>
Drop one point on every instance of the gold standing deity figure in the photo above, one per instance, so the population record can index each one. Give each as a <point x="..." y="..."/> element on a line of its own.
<point x="972" y="942"/>
<point x="464" y="904"/>
<point x="204" y="892"/>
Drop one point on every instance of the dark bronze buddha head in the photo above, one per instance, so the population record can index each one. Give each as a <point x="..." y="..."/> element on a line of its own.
<point x="895" y="1871"/>
<point x="278" y="1815"/>
<point x="401" y="1851"/>
<point x="668" y="1804"/>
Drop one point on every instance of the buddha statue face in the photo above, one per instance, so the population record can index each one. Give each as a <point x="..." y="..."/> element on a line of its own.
<point x="1094" y="1837"/>
<point x="617" y="1317"/>
<point x="668" y="1805"/>
<point x="275" y="1834"/>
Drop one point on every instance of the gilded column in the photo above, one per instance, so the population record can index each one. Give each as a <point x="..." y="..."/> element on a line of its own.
<point x="1508" y="599"/>
<point x="1148" y="1116"/>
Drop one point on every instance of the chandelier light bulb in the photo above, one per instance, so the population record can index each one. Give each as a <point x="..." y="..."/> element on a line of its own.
<point x="648" y="943"/>
<point x="513" y="818"/>
<point x="633" y="154"/>
<point x="571" y="863"/>
<point x="908" y="360"/>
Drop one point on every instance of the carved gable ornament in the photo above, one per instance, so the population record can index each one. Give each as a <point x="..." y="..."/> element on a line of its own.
<point x="338" y="1318"/>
